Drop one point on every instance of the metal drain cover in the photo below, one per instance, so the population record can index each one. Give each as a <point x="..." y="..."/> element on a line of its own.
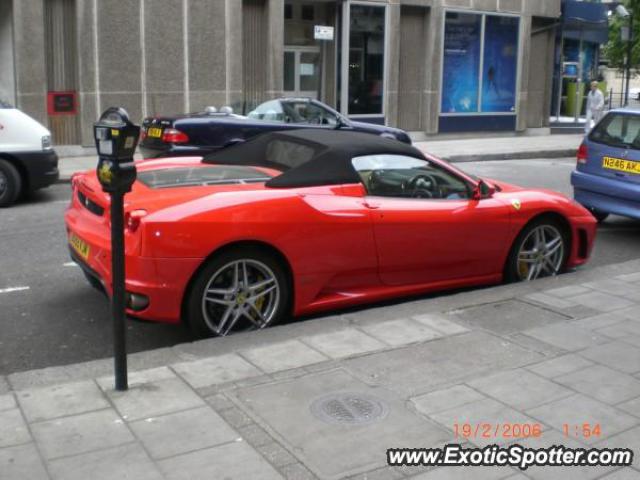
<point x="349" y="409"/>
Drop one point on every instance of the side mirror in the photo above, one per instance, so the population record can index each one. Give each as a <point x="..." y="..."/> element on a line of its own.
<point x="341" y="122"/>
<point x="483" y="190"/>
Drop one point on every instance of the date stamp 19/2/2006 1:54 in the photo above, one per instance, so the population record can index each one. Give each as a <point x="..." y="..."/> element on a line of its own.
<point x="518" y="431"/>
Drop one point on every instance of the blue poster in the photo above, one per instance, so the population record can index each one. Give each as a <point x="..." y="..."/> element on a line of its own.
<point x="460" y="82"/>
<point x="500" y="64"/>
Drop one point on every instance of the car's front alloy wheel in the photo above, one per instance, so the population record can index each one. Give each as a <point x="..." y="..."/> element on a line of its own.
<point x="241" y="290"/>
<point x="541" y="250"/>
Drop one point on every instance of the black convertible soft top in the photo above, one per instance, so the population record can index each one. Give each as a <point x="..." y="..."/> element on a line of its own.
<point x="310" y="157"/>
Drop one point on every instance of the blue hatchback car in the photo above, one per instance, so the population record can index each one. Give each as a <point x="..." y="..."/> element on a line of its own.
<point x="607" y="176"/>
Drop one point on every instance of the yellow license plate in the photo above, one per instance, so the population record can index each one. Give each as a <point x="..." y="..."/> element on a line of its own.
<point x="628" y="166"/>
<point x="80" y="246"/>
<point x="154" y="132"/>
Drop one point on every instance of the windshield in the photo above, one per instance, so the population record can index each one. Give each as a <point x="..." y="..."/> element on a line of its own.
<point x="618" y="130"/>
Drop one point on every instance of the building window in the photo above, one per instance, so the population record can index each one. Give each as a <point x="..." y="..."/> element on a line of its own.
<point x="288" y="11"/>
<point x="308" y="13"/>
<point x="366" y="59"/>
<point x="481" y="54"/>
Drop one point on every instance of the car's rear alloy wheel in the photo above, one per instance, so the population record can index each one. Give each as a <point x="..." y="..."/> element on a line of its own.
<point x="540" y="251"/>
<point x="245" y="290"/>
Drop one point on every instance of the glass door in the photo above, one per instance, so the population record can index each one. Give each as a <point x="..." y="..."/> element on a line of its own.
<point x="362" y="76"/>
<point x="302" y="71"/>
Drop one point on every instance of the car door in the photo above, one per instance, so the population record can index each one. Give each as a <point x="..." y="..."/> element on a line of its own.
<point x="427" y="227"/>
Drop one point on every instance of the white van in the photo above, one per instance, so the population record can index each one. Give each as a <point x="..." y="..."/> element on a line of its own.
<point x="27" y="161"/>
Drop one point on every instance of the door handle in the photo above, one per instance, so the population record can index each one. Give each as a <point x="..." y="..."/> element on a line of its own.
<point x="371" y="206"/>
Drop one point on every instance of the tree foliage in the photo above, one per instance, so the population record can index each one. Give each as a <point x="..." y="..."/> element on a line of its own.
<point x="615" y="51"/>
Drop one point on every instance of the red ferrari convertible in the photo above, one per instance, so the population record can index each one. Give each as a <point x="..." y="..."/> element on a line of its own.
<point x="298" y="222"/>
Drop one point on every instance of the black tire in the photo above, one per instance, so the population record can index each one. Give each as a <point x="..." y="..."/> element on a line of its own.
<point x="214" y="271"/>
<point x="511" y="273"/>
<point x="600" y="216"/>
<point x="10" y="184"/>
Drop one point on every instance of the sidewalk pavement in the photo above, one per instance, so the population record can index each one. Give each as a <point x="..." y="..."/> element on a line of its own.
<point x="464" y="150"/>
<point x="325" y="398"/>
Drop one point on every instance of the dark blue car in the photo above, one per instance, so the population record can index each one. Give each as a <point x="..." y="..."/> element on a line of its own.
<point x="607" y="178"/>
<point x="206" y="132"/>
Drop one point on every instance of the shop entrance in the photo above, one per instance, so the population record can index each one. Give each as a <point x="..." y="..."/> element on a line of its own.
<point x="302" y="71"/>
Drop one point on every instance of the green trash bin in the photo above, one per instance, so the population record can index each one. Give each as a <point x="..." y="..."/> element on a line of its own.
<point x="570" y="105"/>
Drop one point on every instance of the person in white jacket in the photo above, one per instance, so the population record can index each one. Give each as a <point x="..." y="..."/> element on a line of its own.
<point x="595" y="106"/>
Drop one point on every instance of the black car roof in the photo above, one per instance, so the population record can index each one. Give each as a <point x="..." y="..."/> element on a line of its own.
<point x="310" y="157"/>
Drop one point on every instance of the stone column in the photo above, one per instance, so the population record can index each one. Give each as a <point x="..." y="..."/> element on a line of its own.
<point x="31" y="76"/>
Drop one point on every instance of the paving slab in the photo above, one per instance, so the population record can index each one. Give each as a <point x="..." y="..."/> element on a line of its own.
<point x="520" y="389"/>
<point x="602" y="383"/>
<point x="125" y="462"/>
<point x="283" y="356"/>
<point x="441" y="324"/>
<point x="631" y="313"/>
<point x="567" y="336"/>
<point x="483" y="412"/>
<point x="400" y="332"/>
<point x="550" y="300"/>
<point x="446" y="399"/>
<point x="579" y="409"/>
<point x="61" y="400"/>
<point x="507" y="317"/>
<point x="568" y="291"/>
<point x="13" y="429"/>
<point x="631" y="278"/>
<point x="616" y="287"/>
<point x="7" y="402"/>
<point x="632" y="406"/>
<point x="601" y="301"/>
<point x="623" y="474"/>
<point x="617" y="355"/>
<point x="21" y="462"/>
<point x="232" y="461"/>
<point x="151" y="399"/>
<point x="599" y="321"/>
<point x="465" y="473"/>
<point x="344" y="343"/>
<point x="182" y="432"/>
<point x="450" y="360"/>
<point x="214" y="370"/>
<point x="80" y="433"/>
<point x="560" y="365"/>
<point x="621" y="330"/>
<point x="333" y="449"/>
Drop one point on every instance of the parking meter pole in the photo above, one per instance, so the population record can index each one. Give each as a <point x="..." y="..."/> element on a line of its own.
<point x="118" y="299"/>
<point x="116" y="140"/>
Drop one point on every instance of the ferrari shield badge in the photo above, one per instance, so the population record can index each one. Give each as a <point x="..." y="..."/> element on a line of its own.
<point x="517" y="204"/>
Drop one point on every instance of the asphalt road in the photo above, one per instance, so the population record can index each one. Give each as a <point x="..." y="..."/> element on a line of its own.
<point x="49" y="315"/>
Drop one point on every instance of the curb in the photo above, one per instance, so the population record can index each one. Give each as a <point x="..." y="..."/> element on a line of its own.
<point x="483" y="157"/>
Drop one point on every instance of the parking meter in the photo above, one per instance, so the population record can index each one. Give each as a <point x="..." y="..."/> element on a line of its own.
<point x="116" y="140"/>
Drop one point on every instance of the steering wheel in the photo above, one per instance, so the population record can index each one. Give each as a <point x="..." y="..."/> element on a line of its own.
<point x="421" y="186"/>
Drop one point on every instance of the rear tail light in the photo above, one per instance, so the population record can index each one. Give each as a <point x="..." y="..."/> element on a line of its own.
<point x="171" y="135"/>
<point x="132" y="219"/>
<point x="583" y="154"/>
<point x="143" y="134"/>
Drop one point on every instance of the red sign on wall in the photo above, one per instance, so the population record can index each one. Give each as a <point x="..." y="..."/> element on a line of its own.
<point x="62" y="103"/>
